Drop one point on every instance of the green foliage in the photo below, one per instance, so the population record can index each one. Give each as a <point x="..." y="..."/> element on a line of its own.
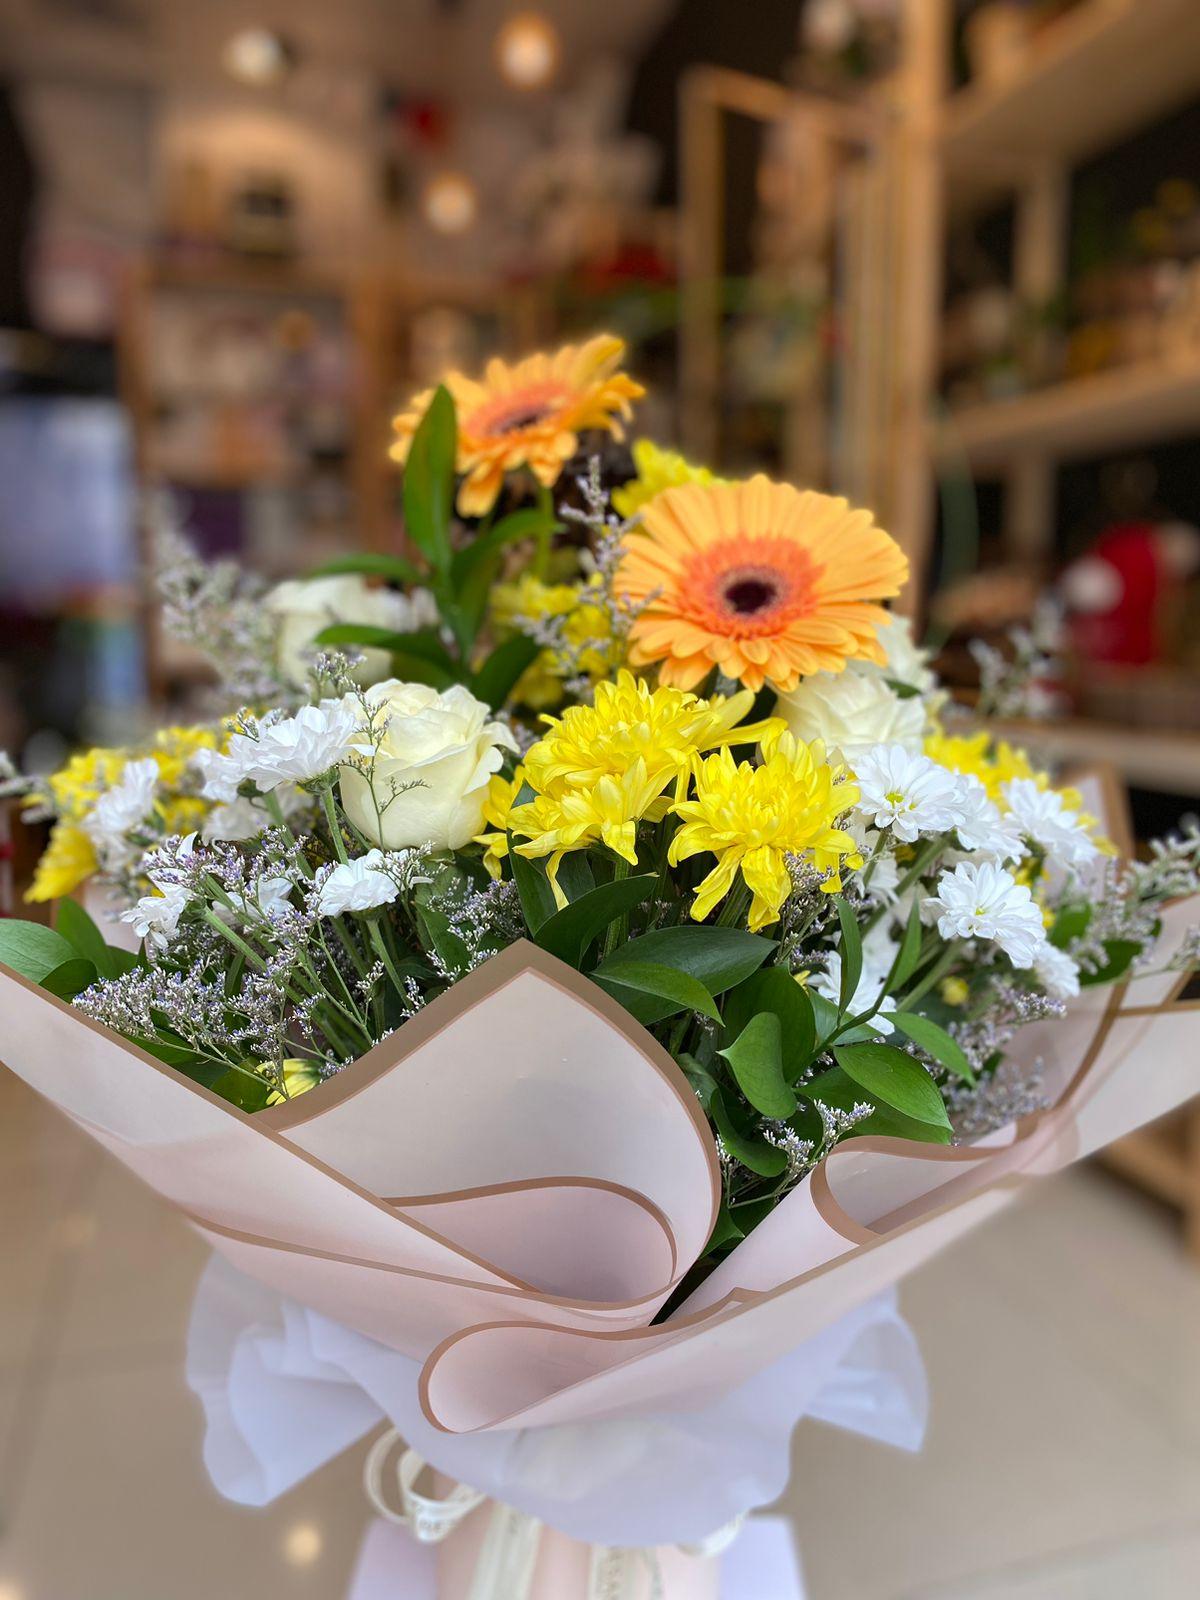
<point x="70" y="978"/>
<point x="629" y="981"/>
<point x="371" y="564"/>
<point x="835" y="1088"/>
<point x="1121" y="955"/>
<point x="775" y="990"/>
<point x="569" y="933"/>
<point x="498" y="675"/>
<point x="909" y="952"/>
<point x="533" y="888"/>
<point x="32" y="949"/>
<point x="756" y="1154"/>
<point x="718" y="958"/>
<point x="935" y="1041"/>
<point x="851" y="952"/>
<point x="894" y="1078"/>
<point x="429" y="481"/>
<point x="756" y="1060"/>
<point x="86" y="939"/>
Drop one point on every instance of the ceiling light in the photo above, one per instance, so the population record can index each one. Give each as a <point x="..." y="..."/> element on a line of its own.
<point x="450" y="202"/>
<point x="527" y="50"/>
<point x="258" y="56"/>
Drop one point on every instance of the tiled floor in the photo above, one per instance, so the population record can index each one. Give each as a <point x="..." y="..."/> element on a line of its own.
<point x="1063" y="1461"/>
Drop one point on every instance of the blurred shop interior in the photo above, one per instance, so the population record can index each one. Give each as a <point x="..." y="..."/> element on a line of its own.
<point x="942" y="256"/>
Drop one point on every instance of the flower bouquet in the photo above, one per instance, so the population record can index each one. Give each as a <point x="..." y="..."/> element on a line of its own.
<point x="590" y="1072"/>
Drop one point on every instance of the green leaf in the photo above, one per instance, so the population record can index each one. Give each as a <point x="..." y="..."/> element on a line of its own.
<point x="774" y="990"/>
<point x="909" y="952"/>
<point x="70" y="978"/>
<point x="700" y="1078"/>
<point x="533" y="888"/>
<point x="828" y="1019"/>
<point x="429" y="481"/>
<point x="421" y="642"/>
<point x="682" y="992"/>
<point x="756" y="1154"/>
<point x="32" y="949"/>
<point x="247" y="1090"/>
<point x="77" y="927"/>
<point x="575" y="875"/>
<point x="718" y="958"/>
<point x="568" y="933"/>
<point x="935" y="1041"/>
<point x="528" y="524"/>
<point x="852" y="953"/>
<point x="756" y="1060"/>
<point x="498" y="675"/>
<point x="835" y="1089"/>
<point x="1121" y="954"/>
<point x="725" y="1232"/>
<point x="371" y="564"/>
<point x="1070" y="924"/>
<point x="892" y="1076"/>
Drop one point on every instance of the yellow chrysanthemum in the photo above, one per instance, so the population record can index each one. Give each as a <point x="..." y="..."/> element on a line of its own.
<point x="175" y="748"/>
<point x="628" y="721"/>
<point x="67" y="861"/>
<point x="589" y="648"/>
<point x="977" y="757"/>
<point x="527" y="415"/>
<point x="497" y="812"/>
<point x="607" y="813"/>
<point x="759" y="579"/>
<point x="657" y="469"/>
<point x="602" y="769"/>
<point x="752" y="818"/>
<point x="75" y="787"/>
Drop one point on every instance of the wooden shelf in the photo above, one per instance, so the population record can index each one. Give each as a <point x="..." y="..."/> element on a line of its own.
<point x="1096" y="75"/>
<point x="1149" y="758"/>
<point x="1114" y="410"/>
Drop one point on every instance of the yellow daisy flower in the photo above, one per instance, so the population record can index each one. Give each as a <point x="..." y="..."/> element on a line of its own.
<point x="67" y="861"/>
<point x="527" y="415"/>
<point x="759" y="579"/>
<point x="589" y="648"/>
<point x="752" y="818"/>
<point x="607" y="813"/>
<point x="657" y="469"/>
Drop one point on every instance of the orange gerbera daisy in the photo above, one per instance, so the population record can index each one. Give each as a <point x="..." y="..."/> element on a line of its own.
<point x="528" y="415"/>
<point x="759" y="579"/>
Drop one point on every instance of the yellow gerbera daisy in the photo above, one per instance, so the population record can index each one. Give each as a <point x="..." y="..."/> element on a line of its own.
<point x="759" y="579"/>
<point x="657" y="469"/>
<point x="527" y="415"/>
<point x="752" y="818"/>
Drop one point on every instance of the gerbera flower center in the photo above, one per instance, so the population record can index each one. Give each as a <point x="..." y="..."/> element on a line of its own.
<point x="514" y="413"/>
<point x="750" y="595"/>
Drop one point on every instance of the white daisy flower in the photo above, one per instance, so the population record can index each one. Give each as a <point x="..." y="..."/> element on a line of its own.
<point x="291" y="750"/>
<point x="982" y="828"/>
<point x="1057" y="973"/>
<point x="122" y="807"/>
<point x="1044" y="816"/>
<point x="155" y="917"/>
<point x="358" y="885"/>
<point x="980" y="900"/>
<point x="906" y="793"/>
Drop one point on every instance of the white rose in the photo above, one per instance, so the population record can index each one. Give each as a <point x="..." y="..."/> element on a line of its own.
<point x="306" y="606"/>
<point x="851" y="712"/>
<point x="429" y="777"/>
<point x="906" y="661"/>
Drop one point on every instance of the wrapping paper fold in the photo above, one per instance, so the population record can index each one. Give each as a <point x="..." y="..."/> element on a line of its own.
<point x="508" y="1189"/>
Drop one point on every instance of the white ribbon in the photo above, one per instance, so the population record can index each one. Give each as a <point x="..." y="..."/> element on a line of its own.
<point x="509" y="1553"/>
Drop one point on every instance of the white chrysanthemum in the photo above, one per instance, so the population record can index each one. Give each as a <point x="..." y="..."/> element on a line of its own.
<point x="980" y="900"/>
<point x="240" y="818"/>
<point x="122" y="807"/>
<point x="982" y="828"/>
<point x="273" y="896"/>
<point x="291" y="750"/>
<point x="1057" y="973"/>
<point x="1044" y="816"/>
<point x="905" y="792"/>
<point x="155" y="917"/>
<point x="879" y="952"/>
<point x="851" y="712"/>
<point x="358" y="885"/>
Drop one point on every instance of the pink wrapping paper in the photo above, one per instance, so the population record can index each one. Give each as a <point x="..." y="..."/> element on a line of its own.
<point x="509" y="1187"/>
